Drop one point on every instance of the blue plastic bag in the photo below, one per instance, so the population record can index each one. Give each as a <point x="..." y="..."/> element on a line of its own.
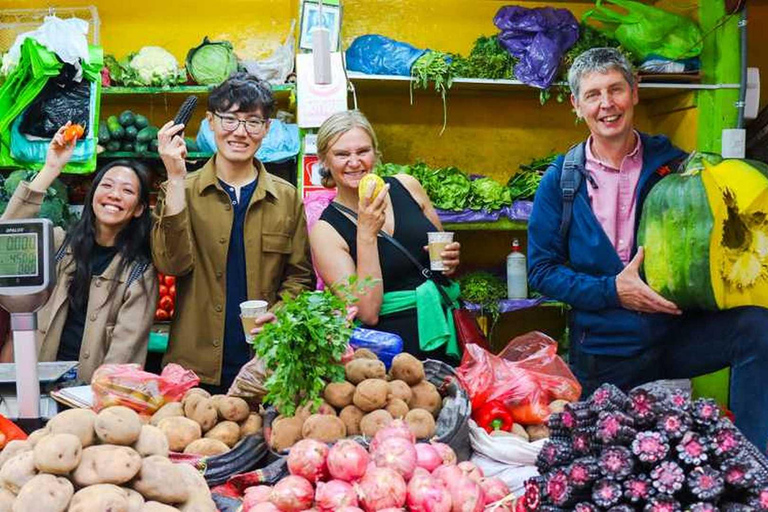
<point x="373" y="54"/>
<point x="538" y="38"/>
<point x="281" y="142"/>
<point x="385" y="345"/>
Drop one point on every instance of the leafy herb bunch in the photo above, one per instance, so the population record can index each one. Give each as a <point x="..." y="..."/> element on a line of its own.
<point x="486" y="290"/>
<point x="303" y="347"/>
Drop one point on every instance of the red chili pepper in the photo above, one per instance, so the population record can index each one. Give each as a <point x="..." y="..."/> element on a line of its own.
<point x="493" y="415"/>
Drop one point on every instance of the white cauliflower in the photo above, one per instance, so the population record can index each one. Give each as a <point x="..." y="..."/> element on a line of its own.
<point x="154" y="65"/>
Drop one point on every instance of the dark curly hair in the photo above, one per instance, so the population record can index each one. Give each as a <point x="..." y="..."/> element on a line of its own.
<point x="245" y="91"/>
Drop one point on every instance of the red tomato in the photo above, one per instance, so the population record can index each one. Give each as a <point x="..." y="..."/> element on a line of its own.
<point x="169" y="280"/>
<point x="163" y="290"/>
<point x="166" y="303"/>
<point x="172" y="291"/>
<point x="160" y="277"/>
<point x="162" y="314"/>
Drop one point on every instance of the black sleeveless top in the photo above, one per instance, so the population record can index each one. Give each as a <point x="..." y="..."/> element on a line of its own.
<point x="397" y="271"/>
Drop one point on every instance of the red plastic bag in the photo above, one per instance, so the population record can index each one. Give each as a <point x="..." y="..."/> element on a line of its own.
<point x="527" y="375"/>
<point x="144" y="392"/>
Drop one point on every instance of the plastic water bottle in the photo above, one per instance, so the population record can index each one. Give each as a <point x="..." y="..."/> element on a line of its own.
<point x="517" y="273"/>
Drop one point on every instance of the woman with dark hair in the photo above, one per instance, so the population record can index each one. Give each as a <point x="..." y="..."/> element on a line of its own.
<point x="103" y="304"/>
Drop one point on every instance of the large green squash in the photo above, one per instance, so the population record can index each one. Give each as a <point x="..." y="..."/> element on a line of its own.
<point x="705" y="234"/>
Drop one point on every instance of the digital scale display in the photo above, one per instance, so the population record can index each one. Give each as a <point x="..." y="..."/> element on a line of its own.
<point x="18" y="255"/>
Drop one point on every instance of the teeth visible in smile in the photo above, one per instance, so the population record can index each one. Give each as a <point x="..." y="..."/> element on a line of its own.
<point x="611" y="119"/>
<point x="111" y="208"/>
<point x="238" y="145"/>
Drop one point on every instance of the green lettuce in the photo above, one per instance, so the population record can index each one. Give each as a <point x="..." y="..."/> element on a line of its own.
<point x="489" y="194"/>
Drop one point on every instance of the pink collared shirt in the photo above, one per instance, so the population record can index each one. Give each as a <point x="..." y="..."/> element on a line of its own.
<point x="614" y="200"/>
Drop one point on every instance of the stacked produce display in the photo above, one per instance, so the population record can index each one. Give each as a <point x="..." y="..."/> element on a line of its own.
<point x="651" y="450"/>
<point x="166" y="303"/>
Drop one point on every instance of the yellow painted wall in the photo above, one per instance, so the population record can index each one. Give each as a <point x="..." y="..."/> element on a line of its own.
<point x="757" y="42"/>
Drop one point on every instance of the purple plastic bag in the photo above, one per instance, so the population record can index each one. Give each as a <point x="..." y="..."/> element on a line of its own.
<point x="538" y="38"/>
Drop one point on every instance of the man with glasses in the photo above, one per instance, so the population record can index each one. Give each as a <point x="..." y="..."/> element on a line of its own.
<point x="230" y="232"/>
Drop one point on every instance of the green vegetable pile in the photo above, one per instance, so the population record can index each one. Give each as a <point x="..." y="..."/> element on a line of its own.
<point x="55" y="203"/>
<point x="302" y="348"/>
<point x="434" y="67"/>
<point x="523" y="184"/>
<point x="152" y="66"/>
<point x="486" y="290"/>
<point x="487" y="59"/>
<point x="130" y="132"/>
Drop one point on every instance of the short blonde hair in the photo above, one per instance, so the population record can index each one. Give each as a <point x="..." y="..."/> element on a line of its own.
<point x="334" y="127"/>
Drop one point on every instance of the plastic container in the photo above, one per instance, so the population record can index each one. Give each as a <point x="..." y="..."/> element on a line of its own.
<point x="384" y="344"/>
<point x="517" y="273"/>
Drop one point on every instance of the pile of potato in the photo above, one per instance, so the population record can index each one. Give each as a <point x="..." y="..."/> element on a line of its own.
<point x="206" y="425"/>
<point x="368" y="400"/>
<point x="87" y="462"/>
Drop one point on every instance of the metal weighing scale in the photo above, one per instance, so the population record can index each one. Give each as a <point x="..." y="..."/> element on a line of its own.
<point x="27" y="276"/>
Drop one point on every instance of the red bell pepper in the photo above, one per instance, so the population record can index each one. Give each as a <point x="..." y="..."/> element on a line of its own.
<point x="493" y="415"/>
<point x="10" y="431"/>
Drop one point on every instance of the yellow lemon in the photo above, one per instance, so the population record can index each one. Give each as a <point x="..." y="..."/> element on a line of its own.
<point x="369" y="181"/>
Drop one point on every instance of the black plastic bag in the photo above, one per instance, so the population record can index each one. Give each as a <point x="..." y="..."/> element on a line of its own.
<point x="62" y="99"/>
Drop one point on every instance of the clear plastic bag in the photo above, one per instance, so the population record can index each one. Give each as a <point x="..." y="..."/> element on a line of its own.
<point x="144" y="392"/>
<point x="527" y="376"/>
<point x="276" y="68"/>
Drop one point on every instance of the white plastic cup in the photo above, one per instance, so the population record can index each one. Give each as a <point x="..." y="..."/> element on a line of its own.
<point x="436" y="241"/>
<point x="250" y="310"/>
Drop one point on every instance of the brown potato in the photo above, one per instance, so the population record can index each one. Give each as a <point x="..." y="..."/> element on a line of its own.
<point x="519" y="430"/>
<point x="58" y="454"/>
<point x="374" y="421"/>
<point x="196" y="391"/>
<point x="47" y="493"/>
<point x="228" y="432"/>
<point x="12" y="448"/>
<point x="397" y="408"/>
<point x="180" y="432"/>
<point x="308" y="409"/>
<point x="106" y="464"/>
<point x="357" y="370"/>
<point x="371" y="394"/>
<point x="75" y="421"/>
<point x="251" y="426"/>
<point x="339" y="394"/>
<point x="151" y="441"/>
<point x="19" y="470"/>
<point x="169" y="410"/>
<point x="160" y="480"/>
<point x="364" y="353"/>
<point x="351" y="417"/>
<point x="156" y="506"/>
<point x="101" y="498"/>
<point x="37" y="435"/>
<point x="135" y="500"/>
<point x="557" y="405"/>
<point x="407" y="368"/>
<point x="324" y="428"/>
<point x="6" y="500"/>
<point x="202" y="411"/>
<point x="285" y="433"/>
<point x="421" y="423"/>
<point x="537" y="432"/>
<point x="118" y="425"/>
<point x="425" y="396"/>
<point x="200" y="505"/>
<point x="206" y="447"/>
<point x="233" y="408"/>
<point x="194" y="481"/>
<point x="399" y="389"/>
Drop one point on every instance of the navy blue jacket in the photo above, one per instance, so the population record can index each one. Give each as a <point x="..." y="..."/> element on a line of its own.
<point x="581" y="270"/>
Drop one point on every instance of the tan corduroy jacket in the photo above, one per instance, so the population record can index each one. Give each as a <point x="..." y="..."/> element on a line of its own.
<point x="116" y="326"/>
<point x="193" y="244"/>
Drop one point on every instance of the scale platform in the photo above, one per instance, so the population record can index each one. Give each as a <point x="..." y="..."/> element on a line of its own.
<point x="46" y="372"/>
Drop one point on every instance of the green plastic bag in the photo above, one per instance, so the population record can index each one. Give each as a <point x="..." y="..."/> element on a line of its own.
<point x="37" y="65"/>
<point x="645" y="30"/>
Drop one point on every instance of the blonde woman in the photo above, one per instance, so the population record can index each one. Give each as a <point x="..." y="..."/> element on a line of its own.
<point x="346" y="241"/>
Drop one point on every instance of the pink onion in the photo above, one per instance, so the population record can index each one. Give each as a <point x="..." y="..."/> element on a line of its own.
<point x="494" y="489"/>
<point x="427" y="494"/>
<point x="381" y="488"/>
<point x="446" y="452"/>
<point x="333" y="495"/>
<point x="470" y="470"/>
<point x="307" y="458"/>
<point x="261" y="507"/>
<point x="257" y="494"/>
<point x="449" y="475"/>
<point x="292" y="494"/>
<point x="398" y="428"/>
<point x="396" y="453"/>
<point x="427" y="457"/>
<point x="467" y="496"/>
<point x="347" y="460"/>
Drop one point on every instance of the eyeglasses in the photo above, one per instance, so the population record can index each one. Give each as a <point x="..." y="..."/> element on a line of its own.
<point x="252" y="126"/>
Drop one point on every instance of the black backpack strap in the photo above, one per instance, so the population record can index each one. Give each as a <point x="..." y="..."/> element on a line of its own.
<point x="424" y="271"/>
<point x="570" y="179"/>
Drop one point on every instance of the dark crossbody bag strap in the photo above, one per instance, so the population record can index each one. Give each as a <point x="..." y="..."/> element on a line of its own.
<point x="427" y="273"/>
